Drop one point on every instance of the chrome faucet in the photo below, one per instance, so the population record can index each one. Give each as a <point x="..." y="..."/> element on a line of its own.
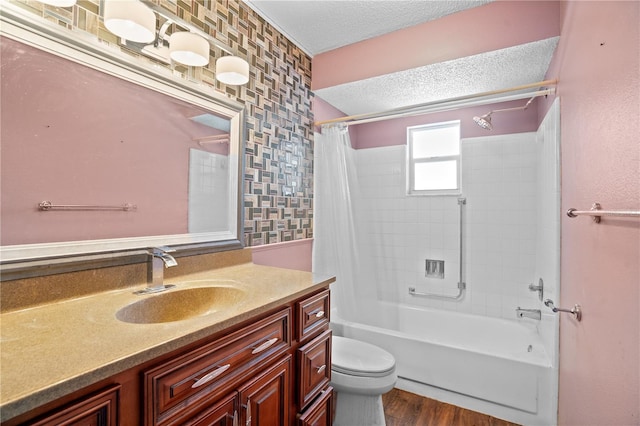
<point x="159" y="258"/>
<point x="528" y="313"/>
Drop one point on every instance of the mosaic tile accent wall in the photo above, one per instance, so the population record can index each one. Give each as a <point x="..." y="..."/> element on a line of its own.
<point x="278" y="175"/>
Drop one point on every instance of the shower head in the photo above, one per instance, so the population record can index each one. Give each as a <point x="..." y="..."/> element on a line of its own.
<point x="484" y="121"/>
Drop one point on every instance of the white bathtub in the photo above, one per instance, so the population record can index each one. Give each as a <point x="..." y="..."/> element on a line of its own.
<point x="495" y="366"/>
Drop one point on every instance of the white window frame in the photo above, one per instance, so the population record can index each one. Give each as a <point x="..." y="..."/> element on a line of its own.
<point x="411" y="161"/>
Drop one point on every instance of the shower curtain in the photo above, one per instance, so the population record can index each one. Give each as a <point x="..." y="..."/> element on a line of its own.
<point x="336" y="247"/>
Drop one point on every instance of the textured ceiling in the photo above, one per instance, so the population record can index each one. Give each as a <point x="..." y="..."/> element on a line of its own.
<point x="486" y="72"/>
<point x="317" y="26"/>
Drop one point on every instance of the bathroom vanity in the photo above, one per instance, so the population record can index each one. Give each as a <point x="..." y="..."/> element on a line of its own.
<point x="232" y="342"/>
<point x="260" y="357"/>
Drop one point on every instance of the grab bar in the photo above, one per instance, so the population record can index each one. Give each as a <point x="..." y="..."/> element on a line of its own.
<point x="48" y="206"/>
<point x="462" y="286"/>
<point x="596" y="212"/>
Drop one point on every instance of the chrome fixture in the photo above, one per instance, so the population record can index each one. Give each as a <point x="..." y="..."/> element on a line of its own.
<point x="159" y="258"/>
<point x="462" y="286"/>
<point x="596" y="212"/>
<point x="48" y="206"/>
<point x="576" y="311"/>
<point x="539" y="288"/>
<point x="484" y="121"/>
<point x="528" y="313"/>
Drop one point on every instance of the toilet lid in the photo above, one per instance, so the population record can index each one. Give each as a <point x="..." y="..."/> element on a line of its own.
<point x="358" y="358"/>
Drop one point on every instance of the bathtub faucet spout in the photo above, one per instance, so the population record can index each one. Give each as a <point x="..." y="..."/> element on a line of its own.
<point x="528" y="313"/>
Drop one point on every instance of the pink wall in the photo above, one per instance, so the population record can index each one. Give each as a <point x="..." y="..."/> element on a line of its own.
<point x="290" y="255"/>
<point x="394" y="132"/>
<point x="523" y="21"/>
<point x="72" y="136"/>
<point x="597" y="64"/>
<point x="598" y="67"/>
<point x="496" y="25"/>
<point x="324" y="111"/>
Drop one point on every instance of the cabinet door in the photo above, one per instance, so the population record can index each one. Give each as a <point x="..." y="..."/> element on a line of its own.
<point x="180" y="387"/>
<point x="265" y="399"/>
<point x="100" y="409"/>
<point x="320" y="413"/>
<point x="222" y="413"/>
<point x="314" y="360"/>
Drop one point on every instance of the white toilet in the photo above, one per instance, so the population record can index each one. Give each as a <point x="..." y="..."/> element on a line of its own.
<point x="360" y="374"/>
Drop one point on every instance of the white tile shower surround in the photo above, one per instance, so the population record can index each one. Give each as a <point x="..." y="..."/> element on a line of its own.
<point x="500" y="183"/>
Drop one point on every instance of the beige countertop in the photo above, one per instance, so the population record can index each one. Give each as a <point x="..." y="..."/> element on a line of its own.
<point x="50" y="350"/>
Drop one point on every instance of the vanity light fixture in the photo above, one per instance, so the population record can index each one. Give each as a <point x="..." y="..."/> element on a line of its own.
<point x="130" y="20"/>
<point x="59" y="3"/>
<point x="135" y="21"/>
<point x="232" y="70"/>
<point x="189" y="49"/>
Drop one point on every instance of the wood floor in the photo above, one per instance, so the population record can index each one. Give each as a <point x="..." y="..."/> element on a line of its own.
<point x="403" y="409"/>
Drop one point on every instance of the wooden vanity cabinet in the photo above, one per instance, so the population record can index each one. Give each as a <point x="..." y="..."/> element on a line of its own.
<point x="223" y="413"/>
<point x="320" y="413"/>
<point x="100" y="409"/>
<point x="314" y="395"/>
<point x="176" y="389"/>
<point x="263" y="400"/>
<point x="271" y="370"/>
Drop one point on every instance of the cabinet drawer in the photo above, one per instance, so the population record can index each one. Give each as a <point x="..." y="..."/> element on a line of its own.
<point x="185" y="384"/>
<point x="315" y="368"/>
<point x="320" y="413"/>
<point x="313" y="315"/>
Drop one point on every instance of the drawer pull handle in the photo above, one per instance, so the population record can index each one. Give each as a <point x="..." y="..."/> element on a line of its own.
<point x="210" y="376"/>
<point x="264" y="346"/>
<point x="321" y="369"/>
<point x="317" y="314"/>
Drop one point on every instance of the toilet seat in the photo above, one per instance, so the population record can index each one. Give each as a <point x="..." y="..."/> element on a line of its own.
<point x="356" y="358"/>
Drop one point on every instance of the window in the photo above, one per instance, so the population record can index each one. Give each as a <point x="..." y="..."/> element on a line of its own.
<point x="433" y="159"/>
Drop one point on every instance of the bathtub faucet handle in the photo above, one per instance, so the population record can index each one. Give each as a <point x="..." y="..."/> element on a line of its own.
<point x="539" y="288"/>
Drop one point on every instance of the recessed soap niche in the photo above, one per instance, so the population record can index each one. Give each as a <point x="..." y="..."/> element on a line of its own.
<point x="434" y="268"/>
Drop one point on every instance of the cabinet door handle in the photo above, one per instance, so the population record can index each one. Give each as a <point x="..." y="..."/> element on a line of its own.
<point x="317" y="314"/>
<point x="210" y="376"/>
<point x="321" y="368"/>
<point x="248" y="422"/>
<point x="264" y="346"/>
<point x="235" y="418"/>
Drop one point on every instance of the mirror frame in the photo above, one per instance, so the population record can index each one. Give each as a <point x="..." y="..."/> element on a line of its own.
<point x="20" y="261"/>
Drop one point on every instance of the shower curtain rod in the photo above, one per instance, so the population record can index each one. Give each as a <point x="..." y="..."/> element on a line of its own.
<point x="448" y="104"/>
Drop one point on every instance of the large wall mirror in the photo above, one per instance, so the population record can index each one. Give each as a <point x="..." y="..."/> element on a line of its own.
<point x="102" y="154"/>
